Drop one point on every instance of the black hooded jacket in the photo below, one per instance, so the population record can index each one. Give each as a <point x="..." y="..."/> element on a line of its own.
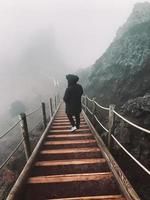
<point x="72" y="96"/>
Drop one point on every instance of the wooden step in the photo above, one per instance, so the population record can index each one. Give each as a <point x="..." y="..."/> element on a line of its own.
<point x="69" y="135"/>
<point x="71" y="150"/>
<point x="68" y="127"/>
<point x="85" y="141"/>
<point x="68" y="131"/>
<point x="69" y="178"/>
<point x="70" y="162"/>
<point x="66" y="123"/>
<point x="106" y="197"/>
<point x="57" y="120"/>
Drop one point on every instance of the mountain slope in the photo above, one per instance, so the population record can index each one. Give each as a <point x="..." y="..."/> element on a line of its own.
<point x="123" y="70"/>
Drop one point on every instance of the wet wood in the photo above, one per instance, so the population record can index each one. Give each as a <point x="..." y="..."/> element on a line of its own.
<point x="71" y="150"/>
<point x="66" y="127"/>
<point x="69" y="135"/>
<point x="107" y="197"/>
<point x="70" y="142"/>
<point x="70" y="162"/>
<point x="69" y="178"/>
<point x="68" y="131"/>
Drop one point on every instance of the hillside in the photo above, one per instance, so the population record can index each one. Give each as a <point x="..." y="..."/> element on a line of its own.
<point x="123" y="70"/>
<point x="121" y="76"/>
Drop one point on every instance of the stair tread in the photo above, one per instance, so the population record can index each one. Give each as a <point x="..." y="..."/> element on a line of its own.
<point x="70" y="142"/>
<point x="70" y="162"/>
<point x="107" y="197"/>
<point x="69" y="135"/>
<point x="70" y="150"/>
<point x="69" y="178"/>
<point x="68" y="131"/>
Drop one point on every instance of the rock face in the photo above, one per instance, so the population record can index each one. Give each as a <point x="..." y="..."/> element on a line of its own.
<point x="123" y="71"/>
<point x="138" y="111"/>
<point x="121" y="76"/>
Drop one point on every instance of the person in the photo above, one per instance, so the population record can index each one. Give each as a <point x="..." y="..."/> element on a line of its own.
<point x="72" y="99"/>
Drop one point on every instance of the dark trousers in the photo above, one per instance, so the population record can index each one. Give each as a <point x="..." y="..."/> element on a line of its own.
<point x="75" y="122"/>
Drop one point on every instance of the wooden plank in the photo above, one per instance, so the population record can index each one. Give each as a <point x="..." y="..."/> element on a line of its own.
<point x="66" y="120"/>
<point x="103" y="197"/>
<point x="71" y="150"/>
<point x="67" y="126"/>
<point x="69" y="178"/>
<point x="85" y="141"/>
<point x="68" y="131"/>
<point x="70" y="162"/>
<point x="69" y="135"/>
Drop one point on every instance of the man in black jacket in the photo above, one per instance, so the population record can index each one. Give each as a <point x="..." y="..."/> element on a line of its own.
<point x="72" y="99"/>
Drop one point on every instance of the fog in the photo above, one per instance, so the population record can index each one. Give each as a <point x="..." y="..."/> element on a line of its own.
<point x="42" y="40"/>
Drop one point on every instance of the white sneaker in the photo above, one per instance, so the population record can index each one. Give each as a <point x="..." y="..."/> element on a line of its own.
<point x="73" y="128"/>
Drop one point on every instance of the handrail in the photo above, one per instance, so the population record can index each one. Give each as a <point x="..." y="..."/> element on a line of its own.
<point x="101" y="124"/>
<point x="142" y="166"/>
<point x="89" y="110"/>
<point x="104" y="108"/>
<point x="37" y="123"/>
<point x="28" y="114"/>
<point x="89" y="99"/>
<point x="131" y="123"/>
<point x="11" y="128"/>
<point x="12" y="153"/>
<point x="111" y="111"/>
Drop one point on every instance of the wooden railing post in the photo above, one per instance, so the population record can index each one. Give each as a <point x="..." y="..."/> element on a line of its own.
<point x="93" y="110"/>
<point x="55" y="102"/>
<point x="25" y="134"/>
<point x="58" y="99"/>
<point x="51" y="107"/>
<point x="85" y="103"/>
<point x="111" y="124"/>
<point x="44" y="114"/>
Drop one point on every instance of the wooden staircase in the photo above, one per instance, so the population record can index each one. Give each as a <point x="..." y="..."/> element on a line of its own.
<point x="70" y="166"/>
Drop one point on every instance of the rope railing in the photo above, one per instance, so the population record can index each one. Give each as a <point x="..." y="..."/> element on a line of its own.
<point x="112" y="112"/>
<point x="101" y="124"/>
<point x="104" y="108"/>
<point x="131" y="123"/>
<point x="24" y="127"/>
<point x="34" y="111"/>
<point x="89" y="111"/>
<point x="12" y="153"/>
<point x="10" y="129"/>
<point x="142" y="166"/>
<point x="36" y="124"/>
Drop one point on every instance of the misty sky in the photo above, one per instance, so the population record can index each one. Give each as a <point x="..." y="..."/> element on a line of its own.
<point x="79" y="30"/>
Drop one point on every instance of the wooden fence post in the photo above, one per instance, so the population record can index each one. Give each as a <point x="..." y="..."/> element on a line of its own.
<point x="55" y="102"/>
<point x="111" y="124"/>
<point x="51" y="106"/>
<point x="25" y="134"/>
<point x="44" y="114"/>
<point x="93" y="110"/>
<point x="85" y="103"/>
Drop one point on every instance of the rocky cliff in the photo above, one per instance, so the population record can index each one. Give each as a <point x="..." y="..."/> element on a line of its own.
<point x="123" y="70"/>
<point x="121" y="76"/>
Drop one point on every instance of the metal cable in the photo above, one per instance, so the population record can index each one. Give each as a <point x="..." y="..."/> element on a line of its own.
<point x="131" y="123"/>
<point x="11" y="128"/>
<point x="101" y="124"/>
<point x="35" y="125"/>
<point x="14" y="151"/>
<point x="28" y="114"/>
<point x="142" y="166"/>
